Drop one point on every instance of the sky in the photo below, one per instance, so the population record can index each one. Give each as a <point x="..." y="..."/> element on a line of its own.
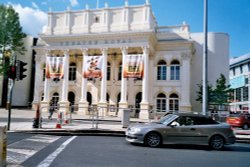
<point x="227" y="16"/>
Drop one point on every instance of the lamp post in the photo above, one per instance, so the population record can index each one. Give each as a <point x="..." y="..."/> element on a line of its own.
<point x="204" y="69"/>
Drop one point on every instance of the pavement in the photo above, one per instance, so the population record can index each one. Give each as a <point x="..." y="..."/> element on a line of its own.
<point x="22" y="121"/>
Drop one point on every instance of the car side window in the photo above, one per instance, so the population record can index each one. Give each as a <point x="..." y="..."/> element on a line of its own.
<point x="185" y="121"/>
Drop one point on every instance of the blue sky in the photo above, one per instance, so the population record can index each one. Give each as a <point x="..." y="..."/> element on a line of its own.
<point x="228" y="16"/>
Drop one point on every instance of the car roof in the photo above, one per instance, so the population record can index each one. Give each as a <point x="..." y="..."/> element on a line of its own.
<point x="191" y="115"/>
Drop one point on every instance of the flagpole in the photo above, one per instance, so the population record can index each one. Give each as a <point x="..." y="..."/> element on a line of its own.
<point x="204" y="69"/>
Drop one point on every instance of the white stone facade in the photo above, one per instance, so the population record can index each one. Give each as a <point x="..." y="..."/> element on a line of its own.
<point x="171" y="57"/>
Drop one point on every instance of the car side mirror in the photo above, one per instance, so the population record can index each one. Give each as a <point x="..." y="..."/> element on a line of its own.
<point x="174" y="124"/>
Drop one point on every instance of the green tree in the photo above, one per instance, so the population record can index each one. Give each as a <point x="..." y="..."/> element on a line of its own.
<point x="222" y="91"/>
<point x="11" y="37"/>
<point x="11" y="42"/>
<point x="219" y="95"/>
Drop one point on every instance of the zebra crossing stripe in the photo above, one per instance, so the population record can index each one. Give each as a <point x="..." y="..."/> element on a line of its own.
<point x="47" y="161"/>
<point x="20" y="151"/>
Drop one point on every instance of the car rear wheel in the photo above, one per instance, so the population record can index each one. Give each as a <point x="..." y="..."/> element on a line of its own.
<point x="245" y="127"/>
<point x="153" y="139"/>
<point x="216" y="142"/>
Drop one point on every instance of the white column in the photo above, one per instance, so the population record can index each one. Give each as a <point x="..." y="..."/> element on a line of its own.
<point x="144" y="113"/>
<point x="83" y="103"/>
<point x="46" y="84"/>
<point x="145" y="75"/>
<point x="65" y="77"/>
<point x="84" y="80"/>
<point x="104" y="76"/>
<point x="124" y="80"/>
<point x="103" y="103"/>
<point x="38" y="78"/>
<point x="45" y="102"/>
<point x="185" y="104"/>
<point x="123" y="103"/>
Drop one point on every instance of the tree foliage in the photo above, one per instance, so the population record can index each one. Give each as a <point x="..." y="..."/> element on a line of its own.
<point x="11" y="36"/>
<point x="218" y="95"/>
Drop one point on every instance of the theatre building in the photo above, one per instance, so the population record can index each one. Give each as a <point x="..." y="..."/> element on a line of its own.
<point x="118" y="57"/>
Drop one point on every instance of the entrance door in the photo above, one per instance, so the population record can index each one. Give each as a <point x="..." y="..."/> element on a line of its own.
<point x="138" y="99"/>
<point x="71" y="99"/>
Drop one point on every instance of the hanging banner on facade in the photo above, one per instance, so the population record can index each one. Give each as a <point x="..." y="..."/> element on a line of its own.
<point x="54" y="67"/>
<point x="133" y="66"/>
<point x="92" y="67"/>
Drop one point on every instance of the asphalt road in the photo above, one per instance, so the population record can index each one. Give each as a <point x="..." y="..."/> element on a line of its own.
<point x="101" y="151"/>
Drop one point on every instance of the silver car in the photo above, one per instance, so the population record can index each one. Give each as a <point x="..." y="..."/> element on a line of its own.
<point x="182" y="129"/>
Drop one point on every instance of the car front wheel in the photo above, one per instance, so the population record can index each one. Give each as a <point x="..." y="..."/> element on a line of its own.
<point x="153" y="139"/>
<point x="217" y="142"/>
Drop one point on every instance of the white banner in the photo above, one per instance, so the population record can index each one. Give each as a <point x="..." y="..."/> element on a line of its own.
<point x="54" y="67"/>
<point x="93" y="67"/>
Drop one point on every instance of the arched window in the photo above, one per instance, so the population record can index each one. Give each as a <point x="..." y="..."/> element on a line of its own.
<point x="161" y="70"/>
<point x="173" y="102"/>
<point x="44" y="71"/>
<point x="108" y="71"/>
<point x="72" y="72"/>
<point x="42" y="96"/>
<point x="175" y="70"/>
<point x="120" y="72"/>
<point x="161" y="102"/>
<point x="55" y="99"/>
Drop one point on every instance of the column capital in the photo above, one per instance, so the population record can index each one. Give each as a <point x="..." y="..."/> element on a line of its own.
<point x="66" y="52"/>
<point x="104" y="51"/>
<point x="47" y="52"/>
<point x="84" y="51"/>
<point x="124" y="50"/>
<point x="145" y="49"/>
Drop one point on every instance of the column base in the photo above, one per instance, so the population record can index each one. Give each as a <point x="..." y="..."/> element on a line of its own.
<point x="112" y="109"/>
<point x="64" y="106"/>
<point x="122" y="106"/>
<point x="103" y="110"/>
<point x="44" y="106"/>
<point x="83" y="108"/>
<point x="144" y="113"/>
<point x="186" y="108"/>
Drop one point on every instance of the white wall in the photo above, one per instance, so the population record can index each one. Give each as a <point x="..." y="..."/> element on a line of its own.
<point x="22" y="88"/>
<point x="218" y="61"/>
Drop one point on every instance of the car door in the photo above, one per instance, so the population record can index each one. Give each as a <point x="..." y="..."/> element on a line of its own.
<point x="185" y="132"/>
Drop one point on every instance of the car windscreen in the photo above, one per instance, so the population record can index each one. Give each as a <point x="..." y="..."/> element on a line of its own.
<point x="167" y="119"/>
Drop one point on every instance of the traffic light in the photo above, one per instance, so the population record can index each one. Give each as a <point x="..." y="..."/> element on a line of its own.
<point x="20" y="70"/>
<point x="12" y="72"/>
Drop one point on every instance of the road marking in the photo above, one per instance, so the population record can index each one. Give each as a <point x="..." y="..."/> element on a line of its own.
<point x="20" y="151"/>
<point x="47" y="161"/>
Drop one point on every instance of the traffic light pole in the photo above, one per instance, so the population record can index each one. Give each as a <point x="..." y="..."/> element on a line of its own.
<point x="9" y="101"/>
<point x="11" y="84"/>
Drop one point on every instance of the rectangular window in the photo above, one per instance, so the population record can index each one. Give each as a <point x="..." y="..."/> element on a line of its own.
<point x="161" y="105"/>
<point x="108" y="73"/>
<point x="161" y="73"/>
<point x="238" y="94"/>
<point x="175" y="73"/>
<point x="72" y="74"/>
<point x="245" y="93"/>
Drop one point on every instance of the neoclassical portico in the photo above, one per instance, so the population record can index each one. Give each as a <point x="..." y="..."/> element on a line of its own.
<point x="115" y="34"/>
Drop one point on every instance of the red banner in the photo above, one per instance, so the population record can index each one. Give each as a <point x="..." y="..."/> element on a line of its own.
<point x="133" y="67"/>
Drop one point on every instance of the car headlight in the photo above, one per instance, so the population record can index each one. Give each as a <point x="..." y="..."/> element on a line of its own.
<point x="135" y="130"/>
